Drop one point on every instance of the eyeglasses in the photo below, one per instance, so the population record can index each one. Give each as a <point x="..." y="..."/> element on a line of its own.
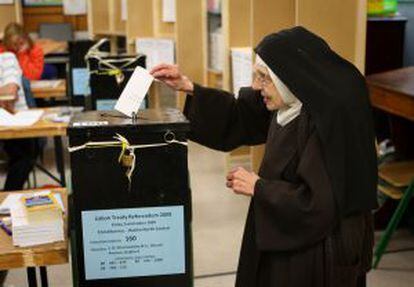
<point x="263" y="79"/>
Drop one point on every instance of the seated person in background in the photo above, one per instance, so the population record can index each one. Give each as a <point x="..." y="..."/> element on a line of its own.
<point x="29" y="54"/>
<point x="22" y="153"/>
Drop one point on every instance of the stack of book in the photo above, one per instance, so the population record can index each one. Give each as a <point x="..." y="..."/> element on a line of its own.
<point x="37" y="220"/>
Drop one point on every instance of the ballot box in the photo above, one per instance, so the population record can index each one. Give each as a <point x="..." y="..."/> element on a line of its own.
<point x="78" y="76"/>
<point x="131" y="207"/>
<point x="108" y="77"/>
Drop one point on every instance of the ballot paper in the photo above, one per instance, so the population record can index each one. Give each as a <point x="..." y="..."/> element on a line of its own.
<point x="242" y="61"/>
<point x="134" y="92"/>
<point x="14" y="198"/>
<point x="20" y="119"/>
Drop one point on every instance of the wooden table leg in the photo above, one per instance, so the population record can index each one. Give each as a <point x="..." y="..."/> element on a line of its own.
<point x="43" y="276"/>
<point x="60" y="160"/>
<point x="31" y="277"/>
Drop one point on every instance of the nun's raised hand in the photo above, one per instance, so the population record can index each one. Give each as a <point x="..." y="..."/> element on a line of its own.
<point x="172" y="77"/>
<point x="241" y="181"/>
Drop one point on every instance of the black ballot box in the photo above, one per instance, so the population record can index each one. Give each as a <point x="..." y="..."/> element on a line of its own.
<point x="78" y="75"/>
<point x="131" y="202"/>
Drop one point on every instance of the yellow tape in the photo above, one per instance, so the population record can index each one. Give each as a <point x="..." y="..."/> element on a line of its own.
<point x="124" y="146"/>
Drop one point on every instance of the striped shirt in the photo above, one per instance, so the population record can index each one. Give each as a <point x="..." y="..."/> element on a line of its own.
<point x="10" y="73"/>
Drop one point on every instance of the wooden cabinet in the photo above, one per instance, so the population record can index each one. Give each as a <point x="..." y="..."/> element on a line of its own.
<point x="385" y="44"/>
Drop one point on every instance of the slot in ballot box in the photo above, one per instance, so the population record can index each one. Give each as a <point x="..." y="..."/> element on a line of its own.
<point x="131" y="211"/>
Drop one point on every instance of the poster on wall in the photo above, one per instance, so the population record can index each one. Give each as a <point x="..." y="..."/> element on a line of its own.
<point x="157" y="50"/>
<point x="74" y="7"/>
<point x="168" y="11"/>
<point x="124" y="10"/>
<point x="241" y="63"/>
<point x="4" y="2"/>
<point x="42" y="2"/>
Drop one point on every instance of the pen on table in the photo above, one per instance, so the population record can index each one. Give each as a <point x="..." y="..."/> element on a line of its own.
<point x="5" y="228"/>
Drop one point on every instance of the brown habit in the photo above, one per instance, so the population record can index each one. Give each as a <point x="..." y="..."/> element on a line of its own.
<point x="292" y="235"/>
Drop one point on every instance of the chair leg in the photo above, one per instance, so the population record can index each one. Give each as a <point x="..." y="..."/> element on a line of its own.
<point x="34" y="178"/>
<point x="29" y="183"/>
<point x="392" y="225"/>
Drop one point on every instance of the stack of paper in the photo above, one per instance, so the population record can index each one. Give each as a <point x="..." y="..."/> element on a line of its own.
<point x="20" y="119"/>
<point x="242" y="61"/>
<point x="216" y="50"/>
<point x="38" y="227"/>
<point x="45" y="84"/>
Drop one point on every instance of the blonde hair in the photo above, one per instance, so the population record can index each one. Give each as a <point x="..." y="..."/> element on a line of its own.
<point x="15" y="29"/>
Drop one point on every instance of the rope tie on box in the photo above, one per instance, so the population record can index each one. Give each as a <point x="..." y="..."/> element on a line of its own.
<point x="127" y="156"/>
<point x="106" y="66"/>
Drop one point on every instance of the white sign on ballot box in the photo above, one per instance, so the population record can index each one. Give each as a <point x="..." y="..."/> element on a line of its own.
<point x="131" y="242"/>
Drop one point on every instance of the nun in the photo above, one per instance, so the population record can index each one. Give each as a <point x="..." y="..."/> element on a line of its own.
<point x="309" y="222"/>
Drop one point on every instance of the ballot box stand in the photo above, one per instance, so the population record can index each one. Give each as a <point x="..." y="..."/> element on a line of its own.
<point x="132" y="231"/>
<point x="108" y="81"/>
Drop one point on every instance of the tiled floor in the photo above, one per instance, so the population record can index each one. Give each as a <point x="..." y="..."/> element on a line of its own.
<point x="217" y="227"/>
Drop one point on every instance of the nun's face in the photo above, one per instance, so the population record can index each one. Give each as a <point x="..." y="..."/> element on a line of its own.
<point x="263" y="82"/>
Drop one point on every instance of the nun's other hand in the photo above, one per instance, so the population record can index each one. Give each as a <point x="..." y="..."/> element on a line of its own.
<point x="241" y="181"/>
<point x="172" y="77"/>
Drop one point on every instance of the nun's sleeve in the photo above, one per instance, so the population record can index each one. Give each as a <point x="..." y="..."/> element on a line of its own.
<point x="292" y="215"/>
<point x="220" y="121"/>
